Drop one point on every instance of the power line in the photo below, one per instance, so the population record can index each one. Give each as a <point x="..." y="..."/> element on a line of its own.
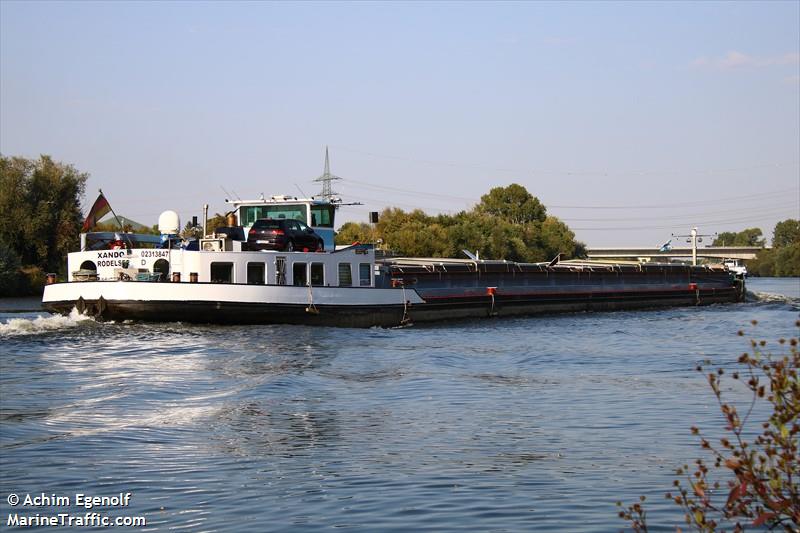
<point x="730" y="199"/>
<point x="688" y="216"/>
<point x="751" y="197"/>
<point x="570" y="172"/>
<point x="706" y="223"/>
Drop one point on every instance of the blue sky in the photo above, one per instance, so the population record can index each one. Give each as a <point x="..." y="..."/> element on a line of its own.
<point x="629" y="120"/>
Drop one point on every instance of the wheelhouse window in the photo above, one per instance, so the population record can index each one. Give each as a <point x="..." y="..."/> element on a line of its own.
<point x="255" y="273"/>
<point x="365" y="274"/>
<point x="345" y="275"/>
<point x="221" y="272"/>
<point x="250" y="214"/>
<point x="317" y="274"/>
<point x="299" y="275"/>
<point x="322" y="216"/>
<point x="280" y="271"/>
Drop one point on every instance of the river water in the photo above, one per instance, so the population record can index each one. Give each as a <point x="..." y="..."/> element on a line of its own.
<point x="495" y="425"/>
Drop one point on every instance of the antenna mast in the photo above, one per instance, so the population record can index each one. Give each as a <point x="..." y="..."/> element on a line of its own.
<point x="326" y="179"/>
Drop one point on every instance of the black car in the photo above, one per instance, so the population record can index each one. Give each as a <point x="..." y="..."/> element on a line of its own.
<point x="284" y="234"/>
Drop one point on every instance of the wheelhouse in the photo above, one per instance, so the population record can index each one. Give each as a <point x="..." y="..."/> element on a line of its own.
<point x="315" y="212"/>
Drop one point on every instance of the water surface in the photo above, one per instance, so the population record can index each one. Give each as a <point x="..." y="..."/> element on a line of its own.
<point x="490" y="425"/>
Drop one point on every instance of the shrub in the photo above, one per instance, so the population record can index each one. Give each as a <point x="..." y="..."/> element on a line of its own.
<point x="762" y="474"/>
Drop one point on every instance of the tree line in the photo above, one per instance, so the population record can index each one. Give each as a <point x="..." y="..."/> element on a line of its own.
<point x="508" y="223"/>
<point x="783" y="259"/>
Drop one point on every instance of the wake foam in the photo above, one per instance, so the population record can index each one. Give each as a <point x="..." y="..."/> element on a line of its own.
<point x="771" y="298"/>
<point x="41" y="324"/>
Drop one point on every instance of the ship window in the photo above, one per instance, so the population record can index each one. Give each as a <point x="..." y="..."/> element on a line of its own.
<point x="365" y="274"/>
<point x="252" y="213"/>
<point x="322" y="216"/>
<point x="345" y="275"/>
<point x="317" y="274"/>
<point x="299" y="274"/>
<point x="161" y="267"/>
<point x="221" y="272"/>
<point x="280" y="271"/>
<point x="255" y="273"/>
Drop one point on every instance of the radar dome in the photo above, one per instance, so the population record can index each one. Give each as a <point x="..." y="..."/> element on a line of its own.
<point x="169" y="223"/>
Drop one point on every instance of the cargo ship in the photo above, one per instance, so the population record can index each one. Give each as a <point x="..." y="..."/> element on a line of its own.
<point x="219" y="279"/>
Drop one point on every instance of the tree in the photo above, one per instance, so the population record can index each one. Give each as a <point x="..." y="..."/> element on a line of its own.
<point x="784" y="257"/>
<point x="509" y="223"/>
<point x="513" y="203"/>
<point x="787" y="260"/>
<point x="355" y="232"/>
<point x="762" y="473"/>
<point x="726" y="238"/>
<point x="747" y="237"/>
<point x="9" y="271"/>
<point x="786" y="245"/>
<point x="786" y="233"/>
<point x="111" y="225"/>
<point x="40" y="201"/>
<point x="556" y="237"/>
<point x="763" y="264"/>
<point x="192" y="232"/>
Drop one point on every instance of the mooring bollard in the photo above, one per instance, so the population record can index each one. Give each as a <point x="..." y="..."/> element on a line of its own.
<point x="193" y="277"/>
<point x="51" y="278"/>
<point x="176" y="277"/>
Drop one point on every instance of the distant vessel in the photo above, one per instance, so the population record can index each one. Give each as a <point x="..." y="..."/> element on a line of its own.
<point x="154" y="278"/>
<point x="736" y="267"/>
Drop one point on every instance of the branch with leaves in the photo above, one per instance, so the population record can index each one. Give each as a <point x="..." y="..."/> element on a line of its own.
<point x="761" y="487"/>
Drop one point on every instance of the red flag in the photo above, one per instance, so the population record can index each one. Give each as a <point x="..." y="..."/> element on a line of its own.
<point x="100" y="208"/>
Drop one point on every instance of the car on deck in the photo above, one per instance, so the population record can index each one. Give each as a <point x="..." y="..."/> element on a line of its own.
<point x="283" y="234"/>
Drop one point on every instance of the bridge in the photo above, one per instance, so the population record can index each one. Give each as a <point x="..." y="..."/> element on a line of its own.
<point x="711" y="252"/>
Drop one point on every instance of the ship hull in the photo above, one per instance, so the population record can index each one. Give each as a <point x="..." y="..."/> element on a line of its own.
<point x="343" y="307"/>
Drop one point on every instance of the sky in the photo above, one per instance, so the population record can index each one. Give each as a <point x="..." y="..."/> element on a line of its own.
<point x="630" y="121"/>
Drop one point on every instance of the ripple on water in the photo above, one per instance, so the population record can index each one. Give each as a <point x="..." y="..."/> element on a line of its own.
<point x="516" y="424"/>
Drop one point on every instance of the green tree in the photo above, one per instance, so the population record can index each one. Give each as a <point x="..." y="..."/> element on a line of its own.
<point x="784" y="257"/>
<point x="556" y="237"/>
<point x="509" y="223"/>
<point x="786" y="246"/>
<point x="786" y="233"/>
<point x="787" y="260"/>
<point x="726" y="238"/>
<point x="9" y="271"/>
<point x="763" y="265"/>
<point x="112" y="225"/>
<point x="190" y="232"/>
<point x="513" y="203"/>
<point x="747" y="237"/>
<point x="40" y="201"/>
<point x="355" y="232"/>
